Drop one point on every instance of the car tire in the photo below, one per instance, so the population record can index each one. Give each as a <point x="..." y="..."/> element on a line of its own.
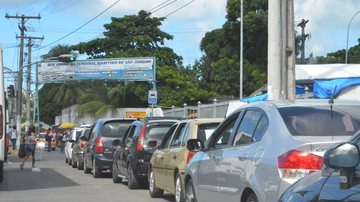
<point x="74" y="163"/>
<point x="70" y="162"/>
<point x="66" y="160"/>
<point x="95" y="172"/>
<point x="1" y="171"/>
<point x="179" y="191"/>
<point x="252" y="198"/>
<point x="115" y="174"/>
<point x="80" y="166"/>
<point x="86" y="169"/>
<point x="132" y="181"/>
<point x="153" y="190"/>
<point x="190" y="192"/>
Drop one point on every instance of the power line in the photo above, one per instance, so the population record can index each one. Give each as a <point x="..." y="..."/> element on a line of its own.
<point x="62" y="9"/>
<point x="128" y="35"/>
<point x="80" y="26"/>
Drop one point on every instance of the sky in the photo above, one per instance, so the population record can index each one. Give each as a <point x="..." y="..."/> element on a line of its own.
<point x="328" y="22"/>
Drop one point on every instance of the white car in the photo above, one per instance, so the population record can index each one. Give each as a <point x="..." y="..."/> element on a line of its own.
<point x="69" y="143"/>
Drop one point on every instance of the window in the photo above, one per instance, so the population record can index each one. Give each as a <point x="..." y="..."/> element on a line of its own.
<point x="115" y="129"/>
<point x="94" y="130"/>
<point x="247" y="127"/>
<point x="222" y="136"/>
<point x="130" y="134"/>
<point x="178" y="136"/>
<point x="205" y="131"/>
<point x="261" y="128"/>
<point x="304" y="120"/>
<point x="166" y="141"/>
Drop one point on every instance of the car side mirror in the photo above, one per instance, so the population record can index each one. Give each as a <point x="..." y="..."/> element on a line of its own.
<point x="152" y="144"/>
<point x="72" y="141"/>
<point x="83" y="138"/>
<point x="195" y="145"/>
<point x="116" y="142"/>
<point x="344" y="157"/>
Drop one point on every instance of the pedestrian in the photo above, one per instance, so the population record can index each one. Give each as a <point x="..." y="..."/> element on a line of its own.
<point x="48" y="139"/>
<point x="13" y="138"/>
<point x="29" y="147"/>
<point x="61" y="142"/>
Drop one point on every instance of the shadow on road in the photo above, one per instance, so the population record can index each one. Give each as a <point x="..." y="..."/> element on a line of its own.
<point x="20" y="180"/>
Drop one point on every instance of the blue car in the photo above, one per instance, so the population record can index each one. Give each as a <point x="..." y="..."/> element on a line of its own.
<point x="339" y="180"/>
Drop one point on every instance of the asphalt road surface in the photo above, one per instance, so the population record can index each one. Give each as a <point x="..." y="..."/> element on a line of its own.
<point x="57" y="181"/>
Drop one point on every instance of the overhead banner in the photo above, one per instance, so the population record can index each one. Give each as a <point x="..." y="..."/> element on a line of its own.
<point x="119" y="69"/>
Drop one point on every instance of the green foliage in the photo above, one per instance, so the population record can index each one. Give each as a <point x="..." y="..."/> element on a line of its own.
<point x="94" y="107"/>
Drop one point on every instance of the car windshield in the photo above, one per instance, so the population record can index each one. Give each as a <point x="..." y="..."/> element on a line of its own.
<point x="115" y="129"/>
<point x="205" y="130"/>
<point x="321" y="120"/>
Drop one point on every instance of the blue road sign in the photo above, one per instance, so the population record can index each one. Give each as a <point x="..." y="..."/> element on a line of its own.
<point x="152" y="100"/>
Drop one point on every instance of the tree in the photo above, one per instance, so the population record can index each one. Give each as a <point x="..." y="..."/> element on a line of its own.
<point x="219" y="67"/>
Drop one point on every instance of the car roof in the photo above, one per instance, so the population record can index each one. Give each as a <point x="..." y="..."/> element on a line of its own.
<point x="203" y="120"/>
<point x="302" y="102"/>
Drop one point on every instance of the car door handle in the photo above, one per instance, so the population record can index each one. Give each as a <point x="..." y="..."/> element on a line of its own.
<point x="216" y="157"/>
<point x="174" y="157"/>
<point x="243" y="157"/>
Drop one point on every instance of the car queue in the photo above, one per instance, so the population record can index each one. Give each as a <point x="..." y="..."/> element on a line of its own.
<point x="253" y="155"/>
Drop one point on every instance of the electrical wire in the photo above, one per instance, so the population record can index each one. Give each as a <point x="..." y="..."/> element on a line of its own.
<point x="79" y="27"/>
<point x="109" y="45"/>
<point x="62" y="9"/>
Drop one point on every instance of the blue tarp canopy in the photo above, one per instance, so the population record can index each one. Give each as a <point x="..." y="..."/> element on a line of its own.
<point x="299" y="91"/>
<point x="326" y="88"/>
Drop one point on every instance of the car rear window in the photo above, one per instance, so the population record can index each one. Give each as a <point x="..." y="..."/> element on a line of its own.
<point x="321" y="120"/>
<point x="205" y="130"/>
<point x="115" y="129"/>
<point x="157" y="132"/>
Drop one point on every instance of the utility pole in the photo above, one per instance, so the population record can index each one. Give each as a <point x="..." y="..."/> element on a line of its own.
<point x="28" y="80"/>
<point x="302" y="24"/>
<point x="281" y="50"/>
<point x="22" y="28"/>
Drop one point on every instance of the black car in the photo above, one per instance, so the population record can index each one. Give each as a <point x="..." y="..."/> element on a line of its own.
<point x="339" y="180"/>
<point x="132" y="154"/>
<point x="98" y="150"/>
<point x="78" y="148"/>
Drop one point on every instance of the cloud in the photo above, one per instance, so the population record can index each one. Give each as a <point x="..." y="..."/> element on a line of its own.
<point x="328" y="22"/>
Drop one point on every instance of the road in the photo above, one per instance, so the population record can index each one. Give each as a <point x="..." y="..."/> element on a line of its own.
<point x="58" y="181"/>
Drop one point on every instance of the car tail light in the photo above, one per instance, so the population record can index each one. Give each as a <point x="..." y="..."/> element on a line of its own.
<point x="82" y="144"/>
<point x="99" y="145"/>
<point x="189" y="156"/>
<point x="297" y="164"/>
<point x="140" y="142"/>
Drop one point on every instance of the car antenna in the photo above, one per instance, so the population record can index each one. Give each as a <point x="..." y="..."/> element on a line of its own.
<point x="331" y="102"/>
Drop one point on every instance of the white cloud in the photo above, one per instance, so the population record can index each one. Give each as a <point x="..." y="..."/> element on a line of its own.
<point x="328" y="22"/>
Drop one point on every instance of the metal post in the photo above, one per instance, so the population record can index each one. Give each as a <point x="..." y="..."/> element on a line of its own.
<point x="198" y="109"/>
<point x="172" y="111"/>
<point x="28" y="86"/>
<point x="241" y="48"/>
<point x="214" y="108"/>
<point x="185" y="110"/>
<point x="347" y="37"/>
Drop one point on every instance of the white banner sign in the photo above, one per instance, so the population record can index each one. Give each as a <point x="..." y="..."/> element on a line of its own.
<point x="123" y="69"/>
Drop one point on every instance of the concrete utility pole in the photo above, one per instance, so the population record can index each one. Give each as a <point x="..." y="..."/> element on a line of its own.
<point x="22" y="28"/>
<point x="28" y="80"/>
<point x="304" y="36"/>
<point x="281" y="50"/>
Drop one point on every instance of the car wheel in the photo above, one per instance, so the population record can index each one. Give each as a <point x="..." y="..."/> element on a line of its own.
<point x="70" y="162"/>
<point x="74" y="163"/>
<point x="86" y="169"/>
<point x="132" y="181"/>
<point x="66" y="160"/>
<point x="153" y="190"/>
<point x="252" y="198"/>
<point x="115" y="174"/>
<point x="179" y="192"/>
<point x="1" y="171"/>
<point x="96" y="172"/>
<point x="80" y="165"/>
<point x="190" y="192"/>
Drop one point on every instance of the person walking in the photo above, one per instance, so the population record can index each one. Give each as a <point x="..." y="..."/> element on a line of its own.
<point x="29" y="147"/>
<point x="48" y="139"/>
<point x="61" y="142"/>
<point x="13" y="138"/>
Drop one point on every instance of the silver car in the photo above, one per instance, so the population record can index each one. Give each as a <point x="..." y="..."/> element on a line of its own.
<point x="262" y="148"/>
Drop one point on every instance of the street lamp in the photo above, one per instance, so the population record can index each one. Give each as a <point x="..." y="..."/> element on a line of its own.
<point x="347" y="36"/>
